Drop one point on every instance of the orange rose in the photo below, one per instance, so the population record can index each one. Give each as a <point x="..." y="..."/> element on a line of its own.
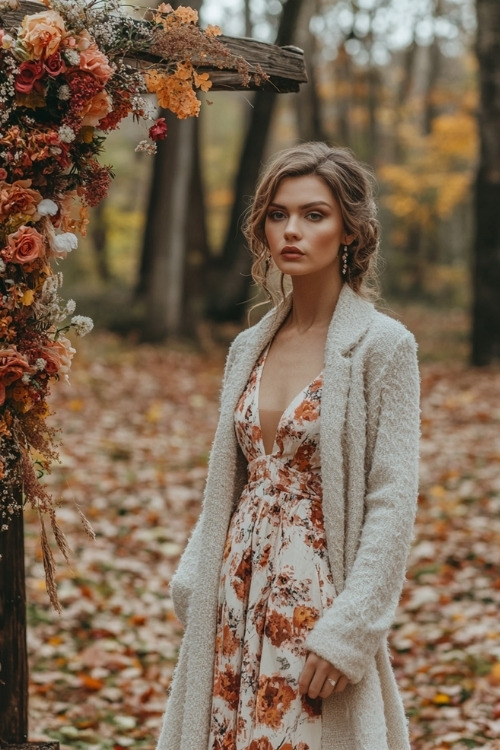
<point x="17" y="198"/>
<point x="13" y="365"/>
<point x="24" y="246"/>
<point x="42" y="33"/>
<point x="96" y="109"/>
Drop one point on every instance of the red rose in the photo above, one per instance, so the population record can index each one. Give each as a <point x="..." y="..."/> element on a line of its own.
<point x="29" y="73"/>
<point x="158" y="130"/>
<point x="55" y="64"/>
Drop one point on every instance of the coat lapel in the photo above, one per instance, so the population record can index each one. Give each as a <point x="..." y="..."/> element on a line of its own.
<point x="253" y="342"/>
<point x="349" y="324"/>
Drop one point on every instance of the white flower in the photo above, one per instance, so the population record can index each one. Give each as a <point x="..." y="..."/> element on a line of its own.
<point x="64" y="93"/>
<point x="2" y="266"/>
<point x="72" y="56"/>
<point x="26" y="378"/>
<point x="7" y="42"/>
<point x="64" y="243"/>
<point x="66" y="134"/>
<point x="147" y="146"/>
<point x="40" y="364"/>
<point x="82" y="324"/>
<point x="46" y="207"/>
<point x="9" y="5"/>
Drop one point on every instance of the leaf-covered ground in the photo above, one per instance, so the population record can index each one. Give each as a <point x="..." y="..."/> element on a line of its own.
<point x="137" y="425"/>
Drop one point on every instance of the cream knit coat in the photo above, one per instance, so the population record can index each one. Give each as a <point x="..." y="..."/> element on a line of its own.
<point x="369" y="456"/>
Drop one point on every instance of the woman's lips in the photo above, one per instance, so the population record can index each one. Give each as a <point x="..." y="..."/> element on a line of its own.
<point x="291" y="252"/>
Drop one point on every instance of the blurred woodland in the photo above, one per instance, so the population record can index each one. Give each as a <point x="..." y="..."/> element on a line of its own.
<point x="410" y="86"/>
<point x="395" y="80"/>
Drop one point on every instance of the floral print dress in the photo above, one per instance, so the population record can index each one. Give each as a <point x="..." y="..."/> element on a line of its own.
<point x="275" y="583"/>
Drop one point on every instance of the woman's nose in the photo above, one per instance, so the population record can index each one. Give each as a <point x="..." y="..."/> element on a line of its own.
<point x="292" y="228"/>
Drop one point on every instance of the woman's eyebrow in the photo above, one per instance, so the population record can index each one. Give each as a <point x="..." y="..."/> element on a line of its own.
<point x="304" y="205"/>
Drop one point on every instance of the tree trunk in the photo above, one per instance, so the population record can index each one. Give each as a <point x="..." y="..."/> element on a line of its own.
<point x="230" y="285"/>
<point x="486" y="274"/>
<point x="248" y="19"/>
<point x="167" y="254"/>
<point x="162" y="264"/>
<point x="99" y="236"/>
<point x="434" y="70"/>
<point x="198" y="252"/>
<point x="373" y="85"/>
<point x="344" y="77"/>
<point x="308" y="104"/>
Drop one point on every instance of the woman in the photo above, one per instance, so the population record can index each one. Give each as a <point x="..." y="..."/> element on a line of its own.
<point x="290" y="581"/>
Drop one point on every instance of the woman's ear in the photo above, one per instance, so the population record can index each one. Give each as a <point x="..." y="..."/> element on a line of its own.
<point x="348" y="239"/>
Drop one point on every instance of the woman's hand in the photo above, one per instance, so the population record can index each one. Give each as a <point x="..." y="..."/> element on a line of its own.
<point x="316" y="675"/>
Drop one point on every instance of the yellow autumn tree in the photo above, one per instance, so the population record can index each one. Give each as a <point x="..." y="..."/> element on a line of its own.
<point x="427" y="189"/>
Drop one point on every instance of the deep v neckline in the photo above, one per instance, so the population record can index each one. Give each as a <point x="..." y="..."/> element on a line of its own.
<point x="285" y="410"/>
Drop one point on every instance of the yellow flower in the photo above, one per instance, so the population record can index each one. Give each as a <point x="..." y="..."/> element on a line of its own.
<point x="86" y="134"/>
<point x="28" y="297"/>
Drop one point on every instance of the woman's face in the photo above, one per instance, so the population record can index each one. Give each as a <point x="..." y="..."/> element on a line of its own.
<point x="304" y="228"/>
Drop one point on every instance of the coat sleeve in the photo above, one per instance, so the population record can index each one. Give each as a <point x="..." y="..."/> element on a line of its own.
<point x="182" y="583"/>
<point x="349" y="633"/>
<point x="184" y="578"/>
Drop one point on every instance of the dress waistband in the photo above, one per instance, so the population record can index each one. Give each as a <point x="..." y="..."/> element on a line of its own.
<point x="285" y="478"/>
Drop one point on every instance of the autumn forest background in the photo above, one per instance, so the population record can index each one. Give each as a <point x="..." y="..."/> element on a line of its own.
<point x="164" y="273"/>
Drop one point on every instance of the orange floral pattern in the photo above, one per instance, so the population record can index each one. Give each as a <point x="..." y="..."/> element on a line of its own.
<point x="275" y="582"/>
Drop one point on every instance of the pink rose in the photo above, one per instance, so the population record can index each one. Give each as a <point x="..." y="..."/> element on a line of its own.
<point x="42" y="33"/>
<point x="54" y="65"/>
<point x="97" y="109"/>
<point x="29" y="73"/>
<point x="13" y="365"/>
<point x="92" y="60"/>
<point x="3" y="174"/>
<point x="158" y="130"/>
<point x="58" y="355"/>
<point x="24" y="246"/>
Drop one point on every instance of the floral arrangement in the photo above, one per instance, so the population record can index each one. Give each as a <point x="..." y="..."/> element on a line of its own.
<point x="65" y="83"/>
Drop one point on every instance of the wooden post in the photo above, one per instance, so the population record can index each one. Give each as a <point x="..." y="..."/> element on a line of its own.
<point x="13" y="646"/>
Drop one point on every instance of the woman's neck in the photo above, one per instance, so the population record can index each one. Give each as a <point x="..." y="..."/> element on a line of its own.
<point x="313" y="305"/>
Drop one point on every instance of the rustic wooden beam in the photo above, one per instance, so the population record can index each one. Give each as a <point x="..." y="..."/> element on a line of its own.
<point x="284" y="67"/>
<point x="13" y="648"/>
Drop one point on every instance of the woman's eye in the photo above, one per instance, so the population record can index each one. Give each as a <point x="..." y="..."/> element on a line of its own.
<point x="276" y="215"/>
<point x="314" y="216"/>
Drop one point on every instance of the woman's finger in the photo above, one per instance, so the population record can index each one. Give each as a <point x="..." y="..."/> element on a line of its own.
<point x="341" y="684"/>
<point x="307" y="674"/>
<point x="329" y="686"/>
